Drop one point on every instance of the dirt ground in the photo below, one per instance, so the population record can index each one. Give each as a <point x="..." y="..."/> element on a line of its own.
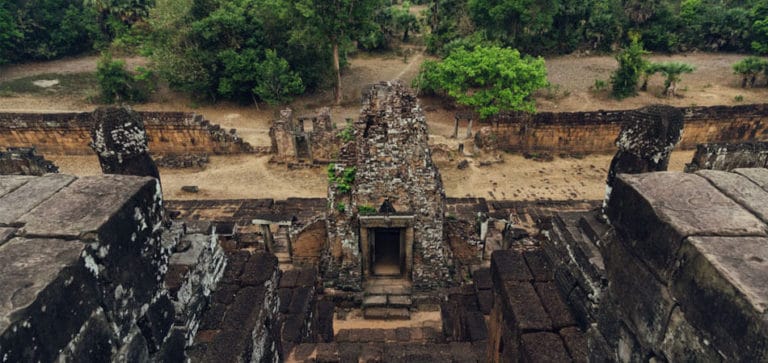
<point x="517" y="178"/>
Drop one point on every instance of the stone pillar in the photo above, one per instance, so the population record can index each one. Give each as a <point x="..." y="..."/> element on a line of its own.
<point x="469" y="129"/>
<point x="456" y="127"/>
<point x="120" y="141"/>
<point x="645" y="143"/>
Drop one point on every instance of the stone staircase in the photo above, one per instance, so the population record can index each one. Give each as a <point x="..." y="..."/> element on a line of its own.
<point x="387" y="299"/>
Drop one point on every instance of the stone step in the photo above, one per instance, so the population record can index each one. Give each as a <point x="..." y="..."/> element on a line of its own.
<point x="386" y="313"/>
<point x="372" y="301"/>
<point x="387" y="290"/>
<point x="399" y="301"/>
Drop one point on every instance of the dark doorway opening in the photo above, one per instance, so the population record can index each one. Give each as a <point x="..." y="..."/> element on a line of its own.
<point x="302" y="147"/>
<point x="387" y="252"/>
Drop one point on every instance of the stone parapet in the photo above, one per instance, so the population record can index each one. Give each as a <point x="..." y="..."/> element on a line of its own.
<point x="84" y="265"/>
<point x="684" y="263"/>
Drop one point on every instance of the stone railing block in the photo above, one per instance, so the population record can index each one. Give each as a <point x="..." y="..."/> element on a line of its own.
<point x="657" y="211"/>
<point x="722" y="287"/>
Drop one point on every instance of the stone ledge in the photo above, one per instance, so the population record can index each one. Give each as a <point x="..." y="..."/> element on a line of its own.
<point x="729" y="276"/>
<point x="658" y="210"/>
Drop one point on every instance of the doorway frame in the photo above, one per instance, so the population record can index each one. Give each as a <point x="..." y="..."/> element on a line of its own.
<point x="368" y="226"/>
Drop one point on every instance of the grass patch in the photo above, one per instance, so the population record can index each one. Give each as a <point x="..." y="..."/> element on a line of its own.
<point x="77" y="84"/>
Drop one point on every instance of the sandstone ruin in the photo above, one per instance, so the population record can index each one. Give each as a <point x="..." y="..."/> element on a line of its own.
<point x="101" y="268"/>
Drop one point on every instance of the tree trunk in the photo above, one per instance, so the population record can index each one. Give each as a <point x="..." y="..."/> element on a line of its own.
<point x="744" y="82"/>
<point x="337" y="69"/>
<point x="456" y="128"/>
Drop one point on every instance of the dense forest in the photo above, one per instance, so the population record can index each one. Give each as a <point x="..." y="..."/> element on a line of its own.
<point x="270" y="50"/>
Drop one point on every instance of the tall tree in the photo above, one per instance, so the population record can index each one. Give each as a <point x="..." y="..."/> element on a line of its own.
<point x="338" y="21"/>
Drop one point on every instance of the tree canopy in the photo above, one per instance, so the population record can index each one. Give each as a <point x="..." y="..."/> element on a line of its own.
<point x="490" y="79"/>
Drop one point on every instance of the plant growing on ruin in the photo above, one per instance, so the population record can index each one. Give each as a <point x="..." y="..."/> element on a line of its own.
<point x="490" y="79"/>
<point x="342" y="181"/>
<point x="348" y="133"/>
<point x="341" y="207"/>
<point x="366" y="210"/>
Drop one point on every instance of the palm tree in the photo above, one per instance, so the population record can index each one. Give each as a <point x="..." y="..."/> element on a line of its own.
<point x="672" y="71"/>
<point x="749" y="68"/>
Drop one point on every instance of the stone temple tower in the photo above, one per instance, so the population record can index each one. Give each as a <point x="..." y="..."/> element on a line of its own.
<point x="386" y="199"/>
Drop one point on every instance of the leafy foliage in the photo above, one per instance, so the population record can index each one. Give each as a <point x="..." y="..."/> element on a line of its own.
<point x="117" y="84"/>
<point x="342" y="180"/>
<point x="276" y="82"/>
<point x="631" y="66"/>
<point x="673" y="72"/>
<point x="366" y="210"/>
<point x="348" y="133"/>
<point x="242" y="50"/>
<point x="749" y="68"/>
<point x="490" y="79"/>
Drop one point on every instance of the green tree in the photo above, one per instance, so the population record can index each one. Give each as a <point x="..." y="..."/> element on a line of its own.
<point x="519" y="23"/>
<point x="673" y="72"/>
<point x="114" y="79"/>
<point x="631" y="65"/>
<point x="276" y="82"/>
<point x="338" y="21"/>
<point x="749" y="68"/>
<point x="9" y="34"/>
<point x="490" y="79"/>
<point x="118" y="84"/>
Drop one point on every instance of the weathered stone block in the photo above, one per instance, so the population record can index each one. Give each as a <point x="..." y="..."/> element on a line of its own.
<point x="9" y="183"/>
<point x="47" y="296"/>
<point x="539" y="265"/>
<point x="576" y="344"/>
<point x="542" y="347"/>
<point x="740" y="189"/>
<point x="521" y="300"/>
<point x="24" y="194"/>
<point x="558" y="311"/>
<point x="757" y="175"/>
<point x="658" y="210"/>
<point x="508" y="265"/>
<point x="683" y="342"/>
<point x="722" y="288"/>
<point x="643" y="301"/>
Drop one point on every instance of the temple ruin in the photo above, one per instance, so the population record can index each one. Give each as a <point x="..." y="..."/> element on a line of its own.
<point x="387" y="268"/>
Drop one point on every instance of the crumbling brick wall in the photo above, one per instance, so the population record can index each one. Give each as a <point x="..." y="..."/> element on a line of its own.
<point x="594" y="132"/>
<point x="308" y="139"/>
<point x="69" y="133"/>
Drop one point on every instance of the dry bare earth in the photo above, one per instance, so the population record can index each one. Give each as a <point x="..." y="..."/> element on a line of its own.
<point x="516" y="178"/>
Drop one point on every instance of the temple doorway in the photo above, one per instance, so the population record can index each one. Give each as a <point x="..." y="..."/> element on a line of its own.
<point x="388" y="255"/>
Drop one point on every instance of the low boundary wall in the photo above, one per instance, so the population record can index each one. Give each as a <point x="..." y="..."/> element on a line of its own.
<point x="69" y="133"/>
<point x="596" y="132"/>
